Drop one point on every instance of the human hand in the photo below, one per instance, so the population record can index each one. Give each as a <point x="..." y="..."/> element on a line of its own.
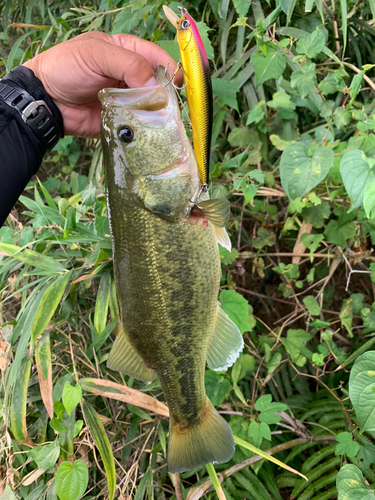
<point x="74" y="71"/>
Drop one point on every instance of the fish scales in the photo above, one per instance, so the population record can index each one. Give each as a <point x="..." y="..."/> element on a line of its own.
<point x="167" y="268"/>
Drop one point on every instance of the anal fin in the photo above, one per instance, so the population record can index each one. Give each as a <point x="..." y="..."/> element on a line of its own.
<point x="124" y="358"/>
<point x="225" y="344"/>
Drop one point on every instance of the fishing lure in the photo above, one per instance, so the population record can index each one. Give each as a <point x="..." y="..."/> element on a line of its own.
<point x="198" y="86"/>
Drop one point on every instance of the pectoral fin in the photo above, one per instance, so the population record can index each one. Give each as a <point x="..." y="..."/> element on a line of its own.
<point x="226" y="342"/>
<point x="125" y="359"/>
<point x="217" y="211"/>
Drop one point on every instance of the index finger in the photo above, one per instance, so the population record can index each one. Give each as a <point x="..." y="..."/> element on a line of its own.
<point x="152" y="52"/>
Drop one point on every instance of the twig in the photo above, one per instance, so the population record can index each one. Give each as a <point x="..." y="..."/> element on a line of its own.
<point x="177" y="487"/>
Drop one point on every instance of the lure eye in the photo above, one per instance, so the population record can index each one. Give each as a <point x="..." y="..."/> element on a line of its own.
<point x="185" y="24"/>
<point x="126" y="134"/>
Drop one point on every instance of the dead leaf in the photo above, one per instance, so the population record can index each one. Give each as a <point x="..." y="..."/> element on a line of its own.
<point x="299" y="247"/>
<point x="4" y="348"/>
<point x="119" y="392"/>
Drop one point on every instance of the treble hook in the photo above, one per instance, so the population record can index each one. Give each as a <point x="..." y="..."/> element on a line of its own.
<point x="170" y="80"/>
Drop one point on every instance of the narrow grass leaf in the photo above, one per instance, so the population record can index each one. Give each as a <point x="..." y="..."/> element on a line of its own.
<point x="102" y="442"/>
<point x="44" y="368"/>
<point x="48" y="305"/>
<point x="111" y="390"/>
<point x="141" y="490"/>
<point x="215" y="481"/>
<point x="256" y="450"/>
<point x="344" y="22"/>
<point x="33" y="258"/>
<point x="102" y="302"/>
<point x="18" y="403"/>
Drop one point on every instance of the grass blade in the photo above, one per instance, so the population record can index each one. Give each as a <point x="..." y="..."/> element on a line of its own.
<point x="256" y="450"/>
<point x="30" y="257"/>
<point x="44" y="368"/>
<point x="102" y="442"/>
<point x="18" y="403"/>
<point x="344" y="23"/>
<point x="215" y="481"/>
<point x="48" y="305"/>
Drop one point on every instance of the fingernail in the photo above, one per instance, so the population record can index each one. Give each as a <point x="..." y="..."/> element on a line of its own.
<point x="152" y="82"/>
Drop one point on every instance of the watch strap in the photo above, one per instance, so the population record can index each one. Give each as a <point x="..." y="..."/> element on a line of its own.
<point x="35" y="113"/>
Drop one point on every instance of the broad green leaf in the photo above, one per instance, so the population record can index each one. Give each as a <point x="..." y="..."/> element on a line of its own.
<point x="356" y="174"/>
<point x="356" y="85"/>
<point x="71" y="396"/>
<point x="312" y="305"/>
<point x="267" y="409"/>
<point x="259" y="431"/>
<point x="45" y="456"/>
<point x="8" y="493"/>
<point x="304" y="81"/>
<point x="288" y="7"/>
<point x="295" y="345"/>
<point x="317" y="214"/>
<point x="242" y="7"/>
<point x="270" y="66"/>
<point x="351" y="484"/>
<point x="226" y="91"/>
<point x="32" y="258"/>
<point x="332" y="83"/>
<point x="362" y="390"/>
<point x="102" y="442"/>
<point x="366" y="407"/>
<point x="203" y="31"/>
<point x="171" y="47"/>
<point x="312" y="44"/>
<point x="299" y="172"/>
<point x="71" y="480"/>
<point x="18" y="403"/>
<point x="338" y="235"/>
<point x="237" y="308"/>
<point x="346" y="445"/>
<point x="57" y="425"/>
<point x="217" y="387"/>
<point x="369" y="199"/>
<point x="341" y="118"/>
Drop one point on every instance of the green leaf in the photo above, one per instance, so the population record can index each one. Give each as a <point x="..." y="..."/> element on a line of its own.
<point x="18" y="403"/>
<point x="267" y="409"/>
<point x="57" y="425"/>
<point x="332" y="83"/>
<point x="171" y="47"/>
<point x="259" y="431"/>
<point x="235" y="162"/>
<point x="312" y="305"/>
<point x="242" y="7"/>
<point x="356" y="174"/>
<point x="45" y="456"/>
<point x="304" y="81"/>
<point x="102" y="302"/>
<point x="299" y="172"/>
<point x="48" y="305"/>
<point x="270" y="66"/>
<point x="203" y="31"/>
<point x="356" y="85"/>
<point x="346" y="445"/>
<point x="369" y="199"/>
<point x="318" y="359"/>
<point x="311" y="45"/>
<point x="264" y="238"/>
<point x="71" y="480"/>
<point x="8" y="493"/>
<point x="226" y="91"/>
<point x="317" y="214"/>
<point x="295" y="345"/>
<point x="217" y="387"/>
<point x="71" y="396"/>
<point x="32" y="258"/>
<point x="362" y="390"/>
<point x="102" y="442"/>
<point x="341" y="118"/>
<point x="338" y="235"/>
<point x="351" y="484"/>
<point x="237" y="308"/>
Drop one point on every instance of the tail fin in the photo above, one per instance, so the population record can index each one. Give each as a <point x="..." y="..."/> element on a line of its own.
<point x="210" y="440"/>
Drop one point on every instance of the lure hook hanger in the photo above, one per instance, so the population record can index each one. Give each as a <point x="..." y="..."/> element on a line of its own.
<point x="170" y="80"/>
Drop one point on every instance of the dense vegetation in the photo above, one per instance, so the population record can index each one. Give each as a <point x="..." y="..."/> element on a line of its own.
<point x="294" y="151"/>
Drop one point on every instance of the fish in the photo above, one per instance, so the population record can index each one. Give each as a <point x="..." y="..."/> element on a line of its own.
<point x="197" y="80"/>
<point x="167" y="268"/>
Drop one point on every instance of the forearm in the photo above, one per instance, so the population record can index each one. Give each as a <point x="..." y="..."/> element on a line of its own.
<point x="20" y="151"/>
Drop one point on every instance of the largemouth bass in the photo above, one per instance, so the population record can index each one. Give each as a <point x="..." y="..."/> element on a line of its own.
<point x="198" y="85"/>
<point x="167" y="268"/>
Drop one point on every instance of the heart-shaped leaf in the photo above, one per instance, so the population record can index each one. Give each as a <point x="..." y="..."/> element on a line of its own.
<point x="71" y="480"/>
<point x="299" y="172"/>
<point x="356" y="174"/>
<point x="351" y="484"/>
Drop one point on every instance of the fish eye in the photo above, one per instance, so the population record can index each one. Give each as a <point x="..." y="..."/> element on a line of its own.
<point x="126" y="134"/>
<point x="185" y="24"/>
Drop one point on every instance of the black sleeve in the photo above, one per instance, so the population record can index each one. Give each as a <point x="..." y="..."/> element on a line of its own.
<point x="20" y="151"/>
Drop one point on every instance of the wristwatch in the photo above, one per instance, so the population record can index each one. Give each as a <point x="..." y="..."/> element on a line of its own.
<point x="36" y="114"/>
